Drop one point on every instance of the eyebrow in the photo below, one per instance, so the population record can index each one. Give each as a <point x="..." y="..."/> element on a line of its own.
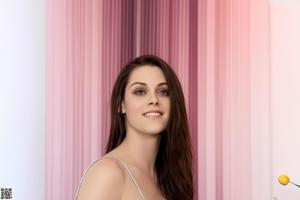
<point x="141" y="83"/>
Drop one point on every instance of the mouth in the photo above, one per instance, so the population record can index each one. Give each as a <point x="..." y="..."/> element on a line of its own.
<point x="153" y="115"/>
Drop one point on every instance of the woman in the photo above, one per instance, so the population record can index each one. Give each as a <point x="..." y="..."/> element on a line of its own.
<point x="148" y="155"/>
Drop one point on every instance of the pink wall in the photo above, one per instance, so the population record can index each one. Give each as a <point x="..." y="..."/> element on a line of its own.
<point x="285" y="29"/>
<point x="212" y="46"/>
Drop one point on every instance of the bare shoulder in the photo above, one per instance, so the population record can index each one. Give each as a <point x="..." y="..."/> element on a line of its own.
<point x="104" y="179"/>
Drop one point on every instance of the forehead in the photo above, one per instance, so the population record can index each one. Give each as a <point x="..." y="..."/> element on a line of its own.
<point x="151" y="75"/>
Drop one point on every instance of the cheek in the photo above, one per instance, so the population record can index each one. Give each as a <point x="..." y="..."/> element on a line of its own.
<point x="168" y="109"/>
<point x="167" y="104"/>
<point x="132" y="103"/>
<point x="134" y="108"/>
<point x="134" y="115"/>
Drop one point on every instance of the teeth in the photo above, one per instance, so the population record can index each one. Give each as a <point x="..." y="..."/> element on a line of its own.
<point x="152" y="114"/>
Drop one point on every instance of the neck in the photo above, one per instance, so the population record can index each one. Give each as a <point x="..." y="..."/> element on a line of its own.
<point x="141" y="150"/>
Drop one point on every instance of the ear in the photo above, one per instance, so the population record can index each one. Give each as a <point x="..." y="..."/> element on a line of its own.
<point x="123" y="107"/>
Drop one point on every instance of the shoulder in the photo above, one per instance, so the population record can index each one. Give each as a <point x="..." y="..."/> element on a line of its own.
<point x="104" y="179"/>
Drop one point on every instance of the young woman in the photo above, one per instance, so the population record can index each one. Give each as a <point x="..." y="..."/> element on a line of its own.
<point x="148" y="155"/>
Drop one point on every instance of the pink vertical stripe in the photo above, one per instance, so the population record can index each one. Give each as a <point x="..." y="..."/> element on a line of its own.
<point x="208" y="45"/>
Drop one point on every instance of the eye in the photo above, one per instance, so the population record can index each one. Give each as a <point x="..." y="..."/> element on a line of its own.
<point x="139" y="92"/>
<point x="164" y="92"/>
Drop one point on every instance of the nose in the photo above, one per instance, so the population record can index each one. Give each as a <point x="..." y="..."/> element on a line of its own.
<point x="153" y="99"/>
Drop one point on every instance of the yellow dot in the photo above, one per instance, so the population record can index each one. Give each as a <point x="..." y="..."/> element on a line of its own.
<point x="283" y="179"/>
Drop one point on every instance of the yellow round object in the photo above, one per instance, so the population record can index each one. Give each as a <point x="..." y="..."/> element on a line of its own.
<point x="283" y="179"/>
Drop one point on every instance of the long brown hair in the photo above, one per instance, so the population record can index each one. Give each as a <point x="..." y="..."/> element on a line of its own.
<point x="173" y="164"/>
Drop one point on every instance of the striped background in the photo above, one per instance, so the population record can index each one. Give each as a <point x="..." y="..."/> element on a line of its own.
<point x="222" y="52"/>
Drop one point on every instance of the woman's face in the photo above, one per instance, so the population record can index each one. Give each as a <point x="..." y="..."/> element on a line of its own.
<point x="146" y="101"/>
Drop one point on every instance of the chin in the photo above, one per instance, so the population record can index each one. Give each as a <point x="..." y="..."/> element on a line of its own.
<point x="153" y="131"/>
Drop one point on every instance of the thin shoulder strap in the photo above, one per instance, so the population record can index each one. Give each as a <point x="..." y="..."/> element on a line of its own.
<point x="129" y="173"/>
<point x="81" y="179"/>
<point x="123" y="164"/>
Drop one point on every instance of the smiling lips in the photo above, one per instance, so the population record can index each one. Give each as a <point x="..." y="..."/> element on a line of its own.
<point x="153" y="114"/>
